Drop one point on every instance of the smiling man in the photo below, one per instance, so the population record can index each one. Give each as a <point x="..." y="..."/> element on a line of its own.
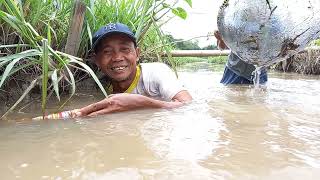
<point x="131" y="85"/>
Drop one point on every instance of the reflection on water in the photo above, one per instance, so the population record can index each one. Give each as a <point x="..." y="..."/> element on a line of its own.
<point x="234" y="132"/>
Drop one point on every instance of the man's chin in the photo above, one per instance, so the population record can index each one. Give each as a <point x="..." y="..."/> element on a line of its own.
<point x="120" y="79"/>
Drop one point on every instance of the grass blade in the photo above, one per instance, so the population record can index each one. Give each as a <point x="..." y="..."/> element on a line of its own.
<point x="27" y="53"/>
<point x="20" y="68"/>
<point x="54" y="78"/>
<point x="73" y="82"/>
<point x="45" y="69"/>
<point x="49" y="33"/>
<point x="73" y="86"/>
<point x="14" y="45"/>
<point x="87" y="68"/>
<point x="7" y="70"/>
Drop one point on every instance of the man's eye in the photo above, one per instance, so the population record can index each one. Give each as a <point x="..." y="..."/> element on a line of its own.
<point x="108" y="52"/>
<point x="125" y="50"/>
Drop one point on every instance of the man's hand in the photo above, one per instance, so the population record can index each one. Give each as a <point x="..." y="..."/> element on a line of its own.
<point x="220" y="43"/>
<point x="124" y="102"/>
<point x="183" y="97"/>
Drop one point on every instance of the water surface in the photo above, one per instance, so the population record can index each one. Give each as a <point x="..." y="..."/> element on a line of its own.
<point x="234" y="132"/>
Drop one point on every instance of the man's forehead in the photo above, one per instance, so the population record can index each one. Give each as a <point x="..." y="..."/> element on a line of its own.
<point x="117" y="39"/>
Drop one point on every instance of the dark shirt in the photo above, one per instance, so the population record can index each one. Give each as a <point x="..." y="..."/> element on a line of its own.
<point x="238" y="71"/>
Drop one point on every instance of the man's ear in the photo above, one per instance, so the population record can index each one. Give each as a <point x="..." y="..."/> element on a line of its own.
<point x="93" y="58"/>
<point x="138" y="51"/>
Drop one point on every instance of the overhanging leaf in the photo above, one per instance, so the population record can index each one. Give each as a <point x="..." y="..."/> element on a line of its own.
<point x="180" y="12"/>
<point x="189" y="2"/>
<point x="7" y="70"/>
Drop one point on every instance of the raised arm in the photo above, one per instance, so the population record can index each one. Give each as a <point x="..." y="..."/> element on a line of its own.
<point x="220" y="43"/>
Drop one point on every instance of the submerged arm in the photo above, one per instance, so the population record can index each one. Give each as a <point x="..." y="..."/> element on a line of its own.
<point x="126" y="102"/>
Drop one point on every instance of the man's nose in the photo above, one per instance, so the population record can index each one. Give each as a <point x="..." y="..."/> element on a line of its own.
<point x="118" y="56"/>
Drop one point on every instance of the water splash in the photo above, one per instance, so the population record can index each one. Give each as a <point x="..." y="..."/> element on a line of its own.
<point x="256" y="77"/>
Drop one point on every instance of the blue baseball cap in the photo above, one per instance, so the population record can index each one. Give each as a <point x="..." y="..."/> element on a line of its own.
<point x="109" y="29"/>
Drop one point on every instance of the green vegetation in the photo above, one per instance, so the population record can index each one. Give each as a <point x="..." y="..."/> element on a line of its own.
<point x="187" y="45"/>
<point x="184" y="60"/>
<point x="183" y="45"/>
<point x="33" y="35"/>
<point x="210" y="47"/>
<point x="218" y="59"/>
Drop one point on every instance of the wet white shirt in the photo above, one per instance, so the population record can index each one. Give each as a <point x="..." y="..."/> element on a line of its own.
<point x="158" y="81"/>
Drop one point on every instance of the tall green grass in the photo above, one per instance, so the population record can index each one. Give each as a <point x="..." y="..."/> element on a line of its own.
<point x="34" y="33"/>
<point x="37" y="53"/>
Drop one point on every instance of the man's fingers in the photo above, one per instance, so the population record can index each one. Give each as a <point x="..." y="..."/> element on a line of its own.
<point x="88" y="109"/>
<point x="175" y="104"/>
<point x="217" y="34"/>
<point x="101" y="112"/>
<point x="95" y="107"/>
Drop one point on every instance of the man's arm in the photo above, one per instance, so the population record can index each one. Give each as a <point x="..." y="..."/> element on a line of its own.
<point x="182" y="97"/>
<point x="166" y="84"/>
<point x="220" y="43"/>
<point x="125" y="102"/>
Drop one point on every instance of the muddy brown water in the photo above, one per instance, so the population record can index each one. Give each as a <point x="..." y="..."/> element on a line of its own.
<point x="233" y="132"/>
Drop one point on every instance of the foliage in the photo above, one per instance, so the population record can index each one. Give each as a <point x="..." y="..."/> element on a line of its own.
<point x="182" y="44"/>
<point x="210" y="47"/>
<point x="142" y="16"/>
<point x="218" y="59"/>
<point x="188" y="45"/>
<point x="184" y="60"/>
<point x="33" y="34"/>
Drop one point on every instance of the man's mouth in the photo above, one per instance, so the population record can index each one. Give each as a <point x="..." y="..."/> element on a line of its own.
<point x="118" y="68"/>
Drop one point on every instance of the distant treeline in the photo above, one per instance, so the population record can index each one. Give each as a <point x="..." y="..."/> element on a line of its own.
<point x="188" y="44"/>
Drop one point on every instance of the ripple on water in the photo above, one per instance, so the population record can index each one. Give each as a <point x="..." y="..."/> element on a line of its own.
<point x="226" y="133"/>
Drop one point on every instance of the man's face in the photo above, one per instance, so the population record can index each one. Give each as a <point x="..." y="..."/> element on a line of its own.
<point x="117" y="57"/>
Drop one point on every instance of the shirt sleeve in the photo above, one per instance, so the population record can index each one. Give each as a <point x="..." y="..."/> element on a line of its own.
<point x="161" y="81"/>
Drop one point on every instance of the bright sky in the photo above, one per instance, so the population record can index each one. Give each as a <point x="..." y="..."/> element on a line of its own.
<point x="201" y="20"/>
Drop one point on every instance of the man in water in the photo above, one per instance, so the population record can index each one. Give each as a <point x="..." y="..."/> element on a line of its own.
<point x="131" y="85"/>
<point x="236" y="70"/>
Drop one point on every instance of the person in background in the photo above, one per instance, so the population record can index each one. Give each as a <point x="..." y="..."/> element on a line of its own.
<point x="236" y="70"/>
<point x="130" y="85"/>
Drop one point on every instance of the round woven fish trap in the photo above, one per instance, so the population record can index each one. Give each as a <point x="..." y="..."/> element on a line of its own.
<point x="263" y="32"/>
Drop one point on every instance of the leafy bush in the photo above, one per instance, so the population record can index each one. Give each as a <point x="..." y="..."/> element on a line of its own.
<point x="34" y="34"/>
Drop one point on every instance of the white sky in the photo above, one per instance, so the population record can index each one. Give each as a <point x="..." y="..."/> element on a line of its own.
<point x="202" y="19"/>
